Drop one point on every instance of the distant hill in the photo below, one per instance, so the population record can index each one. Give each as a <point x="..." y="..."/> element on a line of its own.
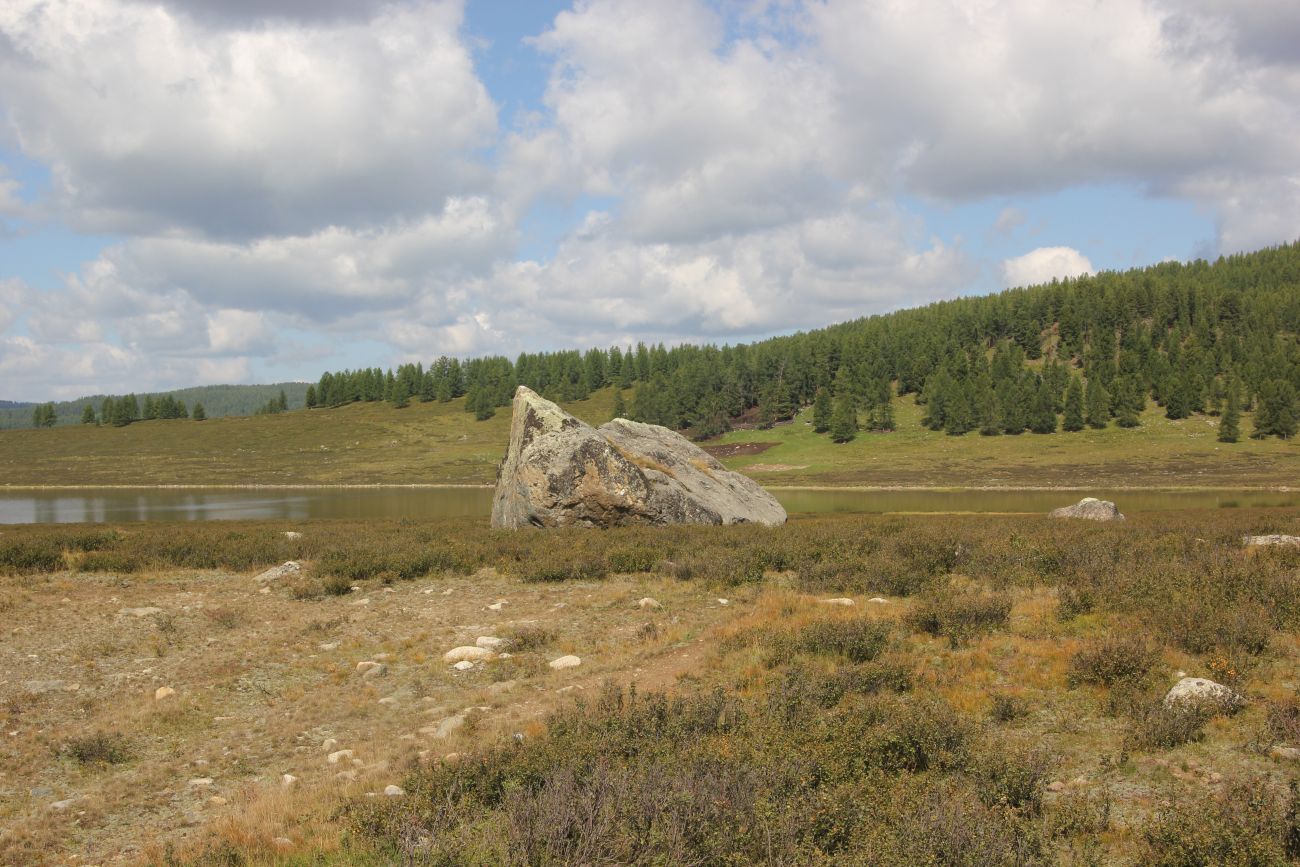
<point x="217" y="400"/>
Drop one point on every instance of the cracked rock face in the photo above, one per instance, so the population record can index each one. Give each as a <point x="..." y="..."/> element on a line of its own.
<point x="561" y="472"/>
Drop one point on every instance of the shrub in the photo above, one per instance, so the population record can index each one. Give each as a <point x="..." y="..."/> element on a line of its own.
<point x="101" y="748"/>
<point x="960" y="613"/>
<point x="1124" y="658"/>
<point x="523" y="638"/>
<point x="629" y="560"/>
<point x="1249" y="824"/>
<point x="336" y="585"/>
<point x="21" y="556"/>
<point x="1005" y="707"/>
<point x="1011" y="775"/>
<point x="1161" y="726"/>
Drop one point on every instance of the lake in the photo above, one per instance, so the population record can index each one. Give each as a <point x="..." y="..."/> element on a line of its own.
<point x="210" y="504"/>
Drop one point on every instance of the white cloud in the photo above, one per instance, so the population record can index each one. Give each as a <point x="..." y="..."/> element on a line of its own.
<point x="13" y="293"/>
<point x="153" y="122"/>
<point x="238" y="332"/>
<point x="1044" y="265"/>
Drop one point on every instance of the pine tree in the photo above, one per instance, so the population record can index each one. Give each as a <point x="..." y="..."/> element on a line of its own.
<point x="1042" y="415"/>
<point x="1073" y="420"/>
<point x="1230" y="423"/>
<point x="311" y="397"/>
<point x="88" y="414"/>
<point x="283" y="402"/>
<point x="199" y="414"/>
<point x="620" y="408"/>
<point x="822" y="411"/>
<point x="844" y="416"/>
<point x="1284" y="417"/>
<point x="1098" y="402"/>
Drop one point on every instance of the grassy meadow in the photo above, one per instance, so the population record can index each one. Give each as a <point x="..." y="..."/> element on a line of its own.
<point x="991" y="696"/>
<point x="435" y="443"/>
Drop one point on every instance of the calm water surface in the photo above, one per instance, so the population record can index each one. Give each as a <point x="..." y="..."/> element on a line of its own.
<point x="199" y="504"/>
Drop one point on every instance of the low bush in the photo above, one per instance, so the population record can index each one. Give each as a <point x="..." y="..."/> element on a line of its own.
<point x="1125" y="658"/>
<point x="960" y="612"/>
<point x="1251" y="823"/>
<point x="100" y="748"/>
<point x="1160" y="726"/>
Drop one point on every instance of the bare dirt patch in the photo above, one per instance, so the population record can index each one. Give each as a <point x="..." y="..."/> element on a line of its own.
<point x="266" y="685"/>
<point x="735" y="450"/>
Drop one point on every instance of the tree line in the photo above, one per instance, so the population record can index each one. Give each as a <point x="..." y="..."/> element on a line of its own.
<point x="122" y="411"/>
<point x="1213" y="338"/>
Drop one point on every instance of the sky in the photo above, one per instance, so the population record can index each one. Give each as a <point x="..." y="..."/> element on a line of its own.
<point x="224" y="191"/>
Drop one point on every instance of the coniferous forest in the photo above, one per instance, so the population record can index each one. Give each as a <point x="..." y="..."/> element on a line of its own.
<point x="1201" y="337"/>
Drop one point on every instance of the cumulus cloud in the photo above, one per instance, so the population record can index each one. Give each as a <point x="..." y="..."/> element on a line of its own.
<point x="1044" y="265"/>
<point x="13" y="292"/>
<point x="338" y="168"/>
<point x="152" y="122"/>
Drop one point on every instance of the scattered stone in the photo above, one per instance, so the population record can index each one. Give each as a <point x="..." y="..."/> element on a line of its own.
<point x="200" y="782"/>
<point x="329" y="744"/>
<point x="1056" y="786"/>
<point x="1273" y="540"/>
<point x="444" y="727"/>
<point x="461" y="654"/>
<point x="218" y="801"/>
<point x="505" y="656"/>
<point x="878" y="600"/>
<point x="394" y="791"/>
<point x="559" y="471"/>
<point x="282" y="843"/>
<point x="60" y="806"/>
<point x="723" y="601"/>
<point x="1215" y="778"/>
<point x="284" y="570"/>
<point x="265" y="591"/>
<point x="463" y="665"/>
<point x="346" y="776"/>
<point x="1202" y="691"/>
<point x="140" y="612"/>
<point x="497" y="606"/>
<point x="371" y="669"/>
<point x="40" y="791"/>
<point x="329" y="645"/>
<point x="565" y="662"/>
<point x="1291" y="754"/>
<point x="292" y="534"/>
<point x="163" y="692"/>
<point x="842" y="601"/>
<point x="1089" y="509"/>
<point x="489" y="642"/>
<point x="388" y="700"/>
<point x="365" y="601"/>
<point x="648" y="603"/>
<point x="288" y="779"/>
<point x="338" y="755"/>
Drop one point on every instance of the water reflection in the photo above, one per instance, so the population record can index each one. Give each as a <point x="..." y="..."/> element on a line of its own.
<point x="99" y="505"/>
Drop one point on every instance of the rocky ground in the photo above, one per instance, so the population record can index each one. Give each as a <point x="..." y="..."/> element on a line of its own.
<point x="144" y="713"/>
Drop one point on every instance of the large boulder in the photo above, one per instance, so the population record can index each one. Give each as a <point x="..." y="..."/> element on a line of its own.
<point x="1274" y="540"/>
<point x="1090" y="509"/>
<point x="561" y="472"/>
<point x="1203" y="693"/>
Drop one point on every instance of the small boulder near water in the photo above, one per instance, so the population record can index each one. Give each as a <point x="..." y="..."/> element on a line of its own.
<point x="1203" y="692"/>
<point x="561" y="472"/>
<point x="1274" y="540"/>
<point x="1089" y="509"/>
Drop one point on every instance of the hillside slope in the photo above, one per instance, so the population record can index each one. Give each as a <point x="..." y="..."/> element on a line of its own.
<point x="440" y="443"/>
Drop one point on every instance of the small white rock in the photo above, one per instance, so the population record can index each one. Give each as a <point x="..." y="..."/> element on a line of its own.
<point x="497" y="606"/>
<point x="647" y="602"/>
<point x="338" y="755"/>
<point x="460" y="654"/>
<point x="60" y="806"/>
<point x="288" y="779"/>
<point x="565" y="662"/>
<point x="329" y="745"/>
<point x="463" y="665"/>
<point x="878" y="600"/>
<point x="275" y="573"/>
<point x="140" y="612"/>
<point x="489" y="642"/>
<point x="163" y="692"/>
<point x="329" y="645"/>
<point x="394" y="791"/>
<point x="723" y="601"/>
<point x="842" y="601"/>
<point x="292" y="534"/>
<point x="200" y="782"/>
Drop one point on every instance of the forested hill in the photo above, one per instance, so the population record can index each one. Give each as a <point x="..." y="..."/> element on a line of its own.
<point x="1199" y="337"/>
<point x="217" y="400"/>
<point x="14" y="404"/>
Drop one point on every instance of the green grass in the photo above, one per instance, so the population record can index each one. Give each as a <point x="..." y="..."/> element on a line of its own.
<point x="433" y="443"/>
